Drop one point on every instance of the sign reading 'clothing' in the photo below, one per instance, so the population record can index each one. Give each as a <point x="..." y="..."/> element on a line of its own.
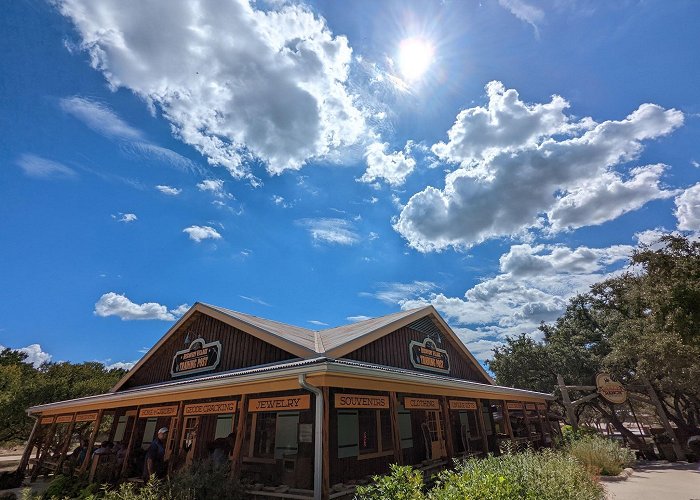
<point x="421" y="404"/>
<point x="285" y="403"/>
<point x="199" y="357"/>
<point x="427" y="355"/>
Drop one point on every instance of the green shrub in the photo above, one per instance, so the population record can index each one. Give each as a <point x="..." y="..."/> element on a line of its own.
<point x="64" y="487"/>
<point x="204" y="480"/>
<point x="403" y="483"/>
<point x="601" y="456"/>
<point x="569" y="435"/>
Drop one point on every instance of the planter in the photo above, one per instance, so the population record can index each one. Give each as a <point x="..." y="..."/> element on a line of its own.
<point x="620" y="477"/>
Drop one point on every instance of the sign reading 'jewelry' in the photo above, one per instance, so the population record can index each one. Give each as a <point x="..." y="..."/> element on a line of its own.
<point x="427" y="355"/>
<point x="198" y="357"/>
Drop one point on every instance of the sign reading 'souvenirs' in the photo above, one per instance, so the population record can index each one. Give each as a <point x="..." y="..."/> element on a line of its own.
<point x="427" y="355"/>
<point x="199" y="357"/>
<point x="284" y="403"/>
<point x="361" y="401"/>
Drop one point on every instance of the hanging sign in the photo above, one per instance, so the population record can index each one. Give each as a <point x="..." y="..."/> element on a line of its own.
<point x="512" y="405"/>
<point x="609" y="389"/>
<point x="427" y="355"/>
<point x="421" y="404"/>
<point x="286" y="403"/>
<point x="46" y="420"/>
<point x="456" y="404"/>
<point x="64" y="419"/>
<point x="530" y="406"/>
<point x="158" y="411"/>
<point x="197" y="358"/>
<point x="361" y="401"/>
<point x="213" y="408"/>
<point x="86" y="417"/>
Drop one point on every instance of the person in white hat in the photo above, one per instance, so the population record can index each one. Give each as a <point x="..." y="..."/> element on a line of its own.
<point x="155" y="456"/>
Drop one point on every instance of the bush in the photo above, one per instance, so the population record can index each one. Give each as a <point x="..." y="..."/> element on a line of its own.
<point x="569" y="435"/>
<point x="403" y="483"/>
<point x="64" y="487"/>
<point x="601" y="456"/>
<point x="204" y="480"/>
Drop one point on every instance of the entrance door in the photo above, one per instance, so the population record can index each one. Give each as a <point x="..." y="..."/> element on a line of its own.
<point x="189" y="438"/>
<point x="435" y="434"/>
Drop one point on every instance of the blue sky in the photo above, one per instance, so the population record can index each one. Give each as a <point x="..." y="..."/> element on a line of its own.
<point x="316" y="163"/>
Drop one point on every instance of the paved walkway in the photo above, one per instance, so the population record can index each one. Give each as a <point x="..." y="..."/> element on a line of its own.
<point x="658" y="481"/>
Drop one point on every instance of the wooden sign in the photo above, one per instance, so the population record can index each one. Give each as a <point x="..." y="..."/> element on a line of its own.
<point x="541" y="406"/>
<point x="158" y="411"/>
<point x="285" y="403"/>
<point x="361" y="401"/>
<point x="64" y="419"/>
<point x="213" y="408"/>
<point x="86" y="417"/>
<point x="512" y="405"/>
<point x="46" y="420"/>
<point x="427" y="355"/>
<point x="421" y="404"/>
<point x="197" y="358"/>
<point x="530" y="406"/>
<point x="456" y="404"/>
<point x="609" y="389"/>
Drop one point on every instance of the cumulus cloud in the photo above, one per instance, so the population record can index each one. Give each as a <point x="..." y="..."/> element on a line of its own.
<point x="515" y="159"/>
<point x="688" y="209"/>
<point x="121" y="365"/>
<point x="126" y="218"/>
<point x="35" y="355"/>
<point x="215" y="187"/>
<point x="199" y="233"/>
<point x="400" y="293"/>
<point x="115" y="304"/>
<point x="169" y="190"/>
<point x="394" y="167"/>
<point x="41" y="168"/>
<point x="330" y="230"/>
<point x="233" y="80"/>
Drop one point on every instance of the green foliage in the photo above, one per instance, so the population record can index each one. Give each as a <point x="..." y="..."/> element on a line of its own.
<point x="203" y="480"/>
<point x="569" y="435"/>
<point x="601" y="456"/>
<point x="403" y="483"/>
<point x="153" y="490"/>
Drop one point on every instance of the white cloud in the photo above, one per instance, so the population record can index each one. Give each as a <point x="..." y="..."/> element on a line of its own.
<point x="525" y="12"/>
<point x="126" y="218"/>
<point x="215" y="187"/>
<point x="233" y="80"/>
<point x="280" y="201"/>
<point x="35" y="355"/>
<point x="356" y="319"/>
<point x="317" y="322"/>
<point x="41" y="168"/>
<point x="330" y="230"/>
<point x="199" y="233"/>
<point x="122" y="365"/>
<point x="398" y="293"/>
<point x="688" y="209"/>
<point x="170" y="191"/>
<point x="254" y="300"/>
<point x="394" y="167"/>
<point x="512" y="167"/>
<point x="115" y="304"/>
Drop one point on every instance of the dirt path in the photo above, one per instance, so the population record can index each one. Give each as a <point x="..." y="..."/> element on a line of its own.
<point x="658" y="481"/>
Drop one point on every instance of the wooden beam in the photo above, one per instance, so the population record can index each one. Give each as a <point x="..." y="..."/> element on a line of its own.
<point x="506" y="421"/>
<point x="64" y="451"/>
<point x="173" y="445"/>
<point x="482" y="425"/>
<point x="582" y="387"/>
<point x="584" y="399"/>
<point x="43" y="451"/>
<point x="240" y="436"/>
<point x="677" y="448"/>
<point x="91" y="443"/>
<point x="130" y="446"/>
<point x="448" y="428"/>
<point x="571" y="413"/>
<point x="395" y="430"/>
<point x="326" y="473"/>
<point x="24" y="461"/>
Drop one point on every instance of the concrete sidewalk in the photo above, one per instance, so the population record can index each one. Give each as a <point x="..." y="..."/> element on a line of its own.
<point x="658" y="481"/>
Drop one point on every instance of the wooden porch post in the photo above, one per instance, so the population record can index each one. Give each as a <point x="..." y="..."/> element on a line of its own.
<point x="91" y="442"/>
<point x="173" y="453"/>
<point x="506" y="421"/>
<point x="570" y="410"/>
<point x="326" y="477"/>
<point x="527" y="422"/>
<point x="30" y="444"/>
<point x="482" y="425"/>
<point x="395" y="430"/>
<point x="43" y="451"/>
<point x="130" y="445"/>
<point x="64" y="451"/>
<point x="240" y="437"/>
<point x="448" y="428"/>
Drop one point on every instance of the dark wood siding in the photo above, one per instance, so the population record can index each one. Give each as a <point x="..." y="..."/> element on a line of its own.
<point x="392" y="350"/>
<point x="238" y="350"/>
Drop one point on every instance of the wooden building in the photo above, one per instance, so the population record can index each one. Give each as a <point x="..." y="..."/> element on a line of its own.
<point x="312" y="410"/>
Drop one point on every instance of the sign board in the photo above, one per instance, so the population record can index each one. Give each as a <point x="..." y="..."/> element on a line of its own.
<point x="46" y="420"/>
<point x="64" y="419"/>
<point x="285" y="403"/>
<point x="158" y="411"/>
<point x="421" y="404"/>
<point x="86" y="417"/>
<point x="361" y="401"/>
<point x="199" y="357"/>
<point x="456" y="404"/>
<point x="530" y="406"/>
<point x="213" y="408"/>
<point x="427" y="355"/>
<point x="513" y="405"/>
<point x="541" y="406"/>
<point x="609" y="389"/>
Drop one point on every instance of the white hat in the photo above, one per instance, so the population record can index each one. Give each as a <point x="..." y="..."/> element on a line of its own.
<point x="162" y="430"/>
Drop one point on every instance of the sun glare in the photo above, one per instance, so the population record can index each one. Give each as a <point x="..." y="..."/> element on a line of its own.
<point x="415" y="57"/>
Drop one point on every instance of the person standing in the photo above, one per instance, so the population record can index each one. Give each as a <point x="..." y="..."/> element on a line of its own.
<point x="155" y="456"/>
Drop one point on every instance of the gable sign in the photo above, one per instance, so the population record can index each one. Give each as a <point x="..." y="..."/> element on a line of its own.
<point x="197" y="358"/>
<point x="427" y="355"/>
<point x="611" y="390"/>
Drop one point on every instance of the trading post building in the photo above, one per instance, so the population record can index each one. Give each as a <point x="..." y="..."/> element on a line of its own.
<point x="299" y="413"/>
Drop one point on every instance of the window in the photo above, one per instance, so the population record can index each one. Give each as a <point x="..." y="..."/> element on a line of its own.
<point x="368" y="431"/>
<point x="121" y="428"/>
<point x="274" y="435"/>
<point x="264" y="432"/>
<point x="364" y="433"/>
<point x="286" y="434"/>
<point x="148" y="432"/>
<point x="387" y="439"/>
<point x="347" y="434"/>
<point x="224" y="426"/>
<point x="405" y="428"/>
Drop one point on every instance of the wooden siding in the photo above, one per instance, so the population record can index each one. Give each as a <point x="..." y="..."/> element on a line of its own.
<point x="393" y="350"/>
<point x="238" y="350"/>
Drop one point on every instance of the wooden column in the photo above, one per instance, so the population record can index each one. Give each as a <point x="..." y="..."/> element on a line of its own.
<point x="43" y="451"/>
<point x="326" y="478"/>
<point x="176" y="437"/>
<point x="449" y="445"/>
<point x="28" y="450"/>
<point x="482" y="425"/>
<point x="64" y="451"/>
<point x="91" y="442"/>
<point x="240" y="437"/>
<point x="570" y="410"/>
<point x="542" y="424"/>
<point x="395" y="430"/>
<point x="506" y="421"/>
<point x="130" y="446"/>
<point x="527" y="422"/>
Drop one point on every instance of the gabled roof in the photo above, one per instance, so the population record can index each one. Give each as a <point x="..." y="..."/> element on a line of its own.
<point x="306" y="343"/>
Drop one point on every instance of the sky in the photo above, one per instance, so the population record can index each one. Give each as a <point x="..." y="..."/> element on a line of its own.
<point x="320" y="163"/>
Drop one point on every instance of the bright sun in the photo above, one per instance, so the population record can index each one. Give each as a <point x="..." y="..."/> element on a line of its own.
<point x="415" y="57"/>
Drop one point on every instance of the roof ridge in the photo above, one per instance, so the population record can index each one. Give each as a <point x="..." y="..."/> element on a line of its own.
<point x="375" y="318"/>
<point x="257" y="317"/>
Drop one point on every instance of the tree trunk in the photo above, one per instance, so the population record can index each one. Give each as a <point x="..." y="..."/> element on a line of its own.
<point x="617" y="423"/>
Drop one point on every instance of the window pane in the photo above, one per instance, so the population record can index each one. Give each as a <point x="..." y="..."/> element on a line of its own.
<point x="368" y="431"/>
<point x="286" y="434"/>
<point x="264" y="445"/>
<point x="121" y="427"/>
<point x="224" y="426"/>
<point x="405" y="429"/>
<point x="348" y="433"/>
<point x="148" y="433"/>
<point x="385" y="424"/>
